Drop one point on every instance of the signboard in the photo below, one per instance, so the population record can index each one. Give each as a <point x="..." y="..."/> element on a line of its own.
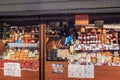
<point x="80" y="71"/>
<point x="57" y="68"/>
<point x="12" y="69"/>
<point x="89" y="71"/>
<point x="81" y="19"/>
<point x="75" y="71"/>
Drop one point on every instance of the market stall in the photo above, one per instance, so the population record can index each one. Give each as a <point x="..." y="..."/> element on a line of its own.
<point x="19" y="53"/>
<point x="82" y="51"/>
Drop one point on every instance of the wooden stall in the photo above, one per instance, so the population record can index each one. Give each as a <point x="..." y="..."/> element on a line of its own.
<point x="28" y="67"/>
<point x="48" y="33"/>
<point x="101" y="72"/>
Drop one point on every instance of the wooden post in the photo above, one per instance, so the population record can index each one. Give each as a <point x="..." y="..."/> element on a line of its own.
<point x="42" y="28"/>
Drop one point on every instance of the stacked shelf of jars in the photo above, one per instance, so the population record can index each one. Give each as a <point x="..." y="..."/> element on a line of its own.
<point x="99" y="46"/>
<point x="21" y="44"/>
<point x="97" y="39"/>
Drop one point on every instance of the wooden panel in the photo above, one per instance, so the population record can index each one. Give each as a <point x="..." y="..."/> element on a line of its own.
<point x="29" y="79"/>
<point x="25" y="75"/>
<point x="114" y="68"/>
<point x="11" y="78"/>
<point x="101" y="72"/>
<point x="30" y="74"/>
<point x="1" y="75"/>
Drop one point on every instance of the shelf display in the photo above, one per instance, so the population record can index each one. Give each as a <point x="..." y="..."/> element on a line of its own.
<point x="98" y="46"/>
<point x="27" y="45"/>
<point x="21" y="46"/>
<point x="21" y="54"/>
<point x="55" y="41"/>
<point x="16" y="34"/>
<point x="98" y="36"/>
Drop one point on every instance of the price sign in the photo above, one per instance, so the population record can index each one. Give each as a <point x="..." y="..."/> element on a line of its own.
<point x="12" y="69"/>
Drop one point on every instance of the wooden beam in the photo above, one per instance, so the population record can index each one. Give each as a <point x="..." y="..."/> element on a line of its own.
<point x="38" y="7"/>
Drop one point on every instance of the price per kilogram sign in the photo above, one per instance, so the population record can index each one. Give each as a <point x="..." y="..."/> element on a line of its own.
<point x="75" y="71"/>
<point x="80" y="71"/>
<point x="12" y="69"/>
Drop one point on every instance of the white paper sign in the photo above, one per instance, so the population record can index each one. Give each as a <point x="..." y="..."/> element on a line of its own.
<point x="12" y="69"/>
<point x="89" y="71"/>
<point x="76" y="70"/>
<point x="80" y="71"/>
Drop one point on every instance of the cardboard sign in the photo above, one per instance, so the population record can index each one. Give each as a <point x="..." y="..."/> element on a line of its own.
<point x="81" y="19"/>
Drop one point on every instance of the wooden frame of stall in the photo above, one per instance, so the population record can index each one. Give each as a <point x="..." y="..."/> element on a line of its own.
<point x="45" y="67"/>
<point x="101" y="72"/>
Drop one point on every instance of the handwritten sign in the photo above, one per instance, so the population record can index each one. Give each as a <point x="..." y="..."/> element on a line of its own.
<point x="12" y="69"/>
<point x="89" y="71"/>
<point x="75" y="71"/>
<point x="80" y="71"/>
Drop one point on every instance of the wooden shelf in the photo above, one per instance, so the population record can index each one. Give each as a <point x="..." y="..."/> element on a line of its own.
<point x="31" y="38"/>
<point x="34" y="33"/>
<point x="97" y="47"/>
<point x="23" y="45"/>
<point x="53" y="36"/>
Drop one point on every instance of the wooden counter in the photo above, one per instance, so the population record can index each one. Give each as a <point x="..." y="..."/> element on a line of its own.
<point x="101" y="72"/>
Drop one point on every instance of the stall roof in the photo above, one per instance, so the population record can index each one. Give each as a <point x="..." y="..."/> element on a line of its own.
<point x="39" y="7"/>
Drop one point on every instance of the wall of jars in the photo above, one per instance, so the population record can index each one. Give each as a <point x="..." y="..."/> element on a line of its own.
<point x="72" y="45"/>
<point x="83" y="43"/>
